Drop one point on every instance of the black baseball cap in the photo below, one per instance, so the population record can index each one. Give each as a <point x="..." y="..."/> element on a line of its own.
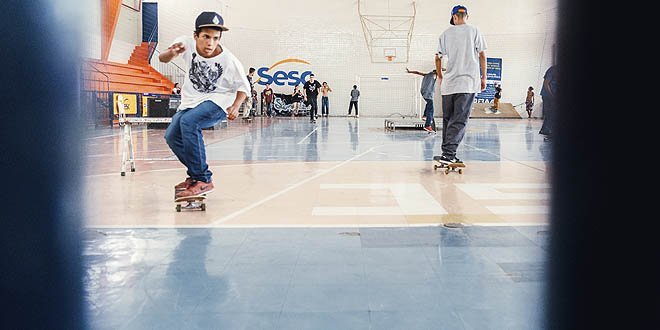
<point x="210" y="19"/>
<point x="456" y="10"/>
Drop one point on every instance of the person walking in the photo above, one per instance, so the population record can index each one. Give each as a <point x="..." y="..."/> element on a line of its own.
<point x="311" y="89"/>
<point x="355" y="96"/>
<point x="427" y="90"/>
<point x="464" y="47"/>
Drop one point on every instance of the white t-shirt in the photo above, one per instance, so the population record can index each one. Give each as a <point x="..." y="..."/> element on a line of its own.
<point x="215" y="79"/>
<point x="461" y="44"/>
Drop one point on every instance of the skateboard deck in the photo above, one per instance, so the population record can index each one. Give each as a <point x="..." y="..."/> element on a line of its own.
<point x="448" y="167"/>
<point x="191" y="203"/>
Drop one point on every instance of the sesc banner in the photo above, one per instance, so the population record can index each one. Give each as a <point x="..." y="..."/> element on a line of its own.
<point x="493" y="76"/>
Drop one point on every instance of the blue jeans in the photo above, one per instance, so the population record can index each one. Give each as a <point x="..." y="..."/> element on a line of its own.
<point x="325" y="105"/>
<point x="428" y="112"/>
<point x="184" y="136"/>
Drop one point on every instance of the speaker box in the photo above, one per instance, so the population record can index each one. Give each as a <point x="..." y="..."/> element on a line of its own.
<point x="159" y="107"/>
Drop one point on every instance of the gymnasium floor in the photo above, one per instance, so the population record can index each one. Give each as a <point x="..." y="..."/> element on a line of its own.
<point x="338" y="225"/>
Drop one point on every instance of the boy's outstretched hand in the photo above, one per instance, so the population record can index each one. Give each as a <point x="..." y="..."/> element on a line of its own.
<point x="232" y="112"/>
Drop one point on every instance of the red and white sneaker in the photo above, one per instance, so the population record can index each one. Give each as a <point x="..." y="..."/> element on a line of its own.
<point x="198" y="188"/>
<point x="184" y="185"/>
<point x="429" y="129"/>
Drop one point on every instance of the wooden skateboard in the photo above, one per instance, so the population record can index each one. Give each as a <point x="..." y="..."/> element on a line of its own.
<point x="191" y="203"/>
<point x="458" y="167"/>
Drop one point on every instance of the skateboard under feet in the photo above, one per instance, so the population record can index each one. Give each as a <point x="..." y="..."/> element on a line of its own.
<point x="456" y="167"/>
<point x="191" y="203"/>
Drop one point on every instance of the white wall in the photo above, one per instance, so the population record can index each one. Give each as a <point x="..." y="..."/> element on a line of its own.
<point x="128" y="34"/>
<point x="91" y="42"/>
<point x="328" y="34"/>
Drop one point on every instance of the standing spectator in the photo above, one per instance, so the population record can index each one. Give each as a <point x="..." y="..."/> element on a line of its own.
<point x="355" y="95"/>
<point x="253" y="111"/>
<point x="529" y="101"/>
<point x="268" y="98"/>
<point x="549" y="97"/>
<point x="496" y="99"/>
<point x="296" y="97"/>
<point x="465" y="76"/>
<point x="311" y="89"/>
<point x="246" y="107"/>
<point x="427" y="90"/>
<point x="325" y="101"/>
<point x="176" y="90"/>
<point x="250" y="76"/>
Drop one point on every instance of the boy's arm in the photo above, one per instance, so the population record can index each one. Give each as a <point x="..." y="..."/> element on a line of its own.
<point x="438" y="66"/>
<point x="172" y="52"/>
<point x="415" y="72"/>
<point x="232" y="111"/>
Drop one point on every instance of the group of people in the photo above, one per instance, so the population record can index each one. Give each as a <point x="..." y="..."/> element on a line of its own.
<point x="307" y="94"/>
<point x="215" y="87"/>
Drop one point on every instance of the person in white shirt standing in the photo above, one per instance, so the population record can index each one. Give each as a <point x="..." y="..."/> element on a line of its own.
<point x="464" y="47"/>
<point x="213" y="90"/>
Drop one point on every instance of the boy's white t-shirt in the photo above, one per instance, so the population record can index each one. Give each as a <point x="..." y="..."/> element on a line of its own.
<point x="461" y="44"/>
<point x="215" y="79"/>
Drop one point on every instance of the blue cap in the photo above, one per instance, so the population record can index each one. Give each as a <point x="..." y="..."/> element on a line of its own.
<point x="457" y="9"/>
<point x="210" y="19"/>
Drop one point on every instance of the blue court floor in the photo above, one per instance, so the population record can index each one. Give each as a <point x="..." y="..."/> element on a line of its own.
<point x="476" y="261"/>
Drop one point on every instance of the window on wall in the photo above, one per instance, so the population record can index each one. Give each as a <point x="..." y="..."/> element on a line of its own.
<point x="133" y="4"/>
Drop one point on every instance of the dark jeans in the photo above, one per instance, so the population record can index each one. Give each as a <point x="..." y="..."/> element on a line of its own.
<point x="184" y="136"/>
<point x="325" y="105"/>
<point x="353" y="103"/>
<point x="269" y="109"/>
<point x="428" y="112"/>
<point x="455" y="113"/>
<point x="313" y="101"/>
<point x="548" y="115"/>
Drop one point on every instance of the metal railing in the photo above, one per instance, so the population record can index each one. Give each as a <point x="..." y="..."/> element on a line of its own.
<point x="170" y="70"/>
<point x="95" y="102"/>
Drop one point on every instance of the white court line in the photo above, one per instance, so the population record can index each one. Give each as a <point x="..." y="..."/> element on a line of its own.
<point x="101" y="137"/>
<point x="305" y="138"/>
<point x="294" y="186"/>
<point x="220" y="166"/>
<point x="346" y="225"/>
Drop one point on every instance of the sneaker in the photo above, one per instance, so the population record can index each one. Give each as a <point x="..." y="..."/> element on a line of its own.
<point x="357" y="116"/>
<point x="448" y="160"/>
<point x="196" y="189"/>
<point x="428" y="129"/>
<point x="184" y="185"/>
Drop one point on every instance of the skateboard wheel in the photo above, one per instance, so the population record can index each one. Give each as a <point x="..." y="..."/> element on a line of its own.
<point x="178" y="207"/>
<point x="460" y="171"/>
<point x="447" y="171"/>
<point x="435" y="167"/>
<point x="203" y="207"/>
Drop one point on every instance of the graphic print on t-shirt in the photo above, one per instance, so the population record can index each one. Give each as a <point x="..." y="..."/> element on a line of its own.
<point x="204" y="76"/>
